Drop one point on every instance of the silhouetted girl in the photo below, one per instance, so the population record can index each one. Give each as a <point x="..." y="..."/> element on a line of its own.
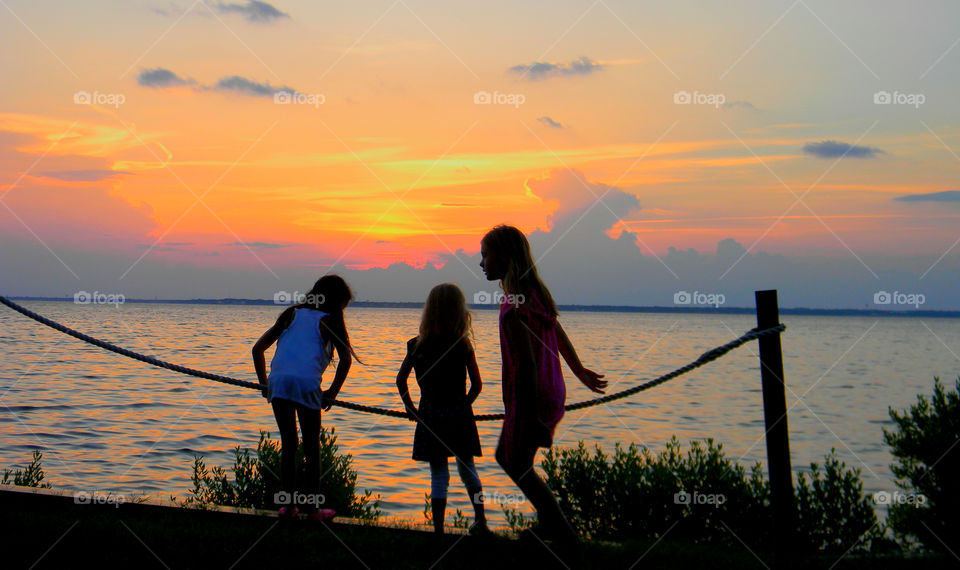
<point x="442" y="356"/>
<point x="306" y="336"/>
<point x="531" y="340"/>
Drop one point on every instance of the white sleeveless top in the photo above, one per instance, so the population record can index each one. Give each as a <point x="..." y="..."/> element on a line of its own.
<point x="301" y="357"/>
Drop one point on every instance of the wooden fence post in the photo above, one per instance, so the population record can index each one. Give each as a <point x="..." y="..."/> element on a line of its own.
<point x="775" y="423"/>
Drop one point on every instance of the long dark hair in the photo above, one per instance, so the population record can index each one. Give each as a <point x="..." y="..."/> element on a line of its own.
<point x="521" y="277"/>
<point x="330" y="294"/>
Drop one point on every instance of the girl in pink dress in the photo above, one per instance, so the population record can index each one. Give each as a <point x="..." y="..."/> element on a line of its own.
<point x="531" y="342"/>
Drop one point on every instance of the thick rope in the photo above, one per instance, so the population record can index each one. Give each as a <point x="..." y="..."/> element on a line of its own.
<point x="704" y="358"/>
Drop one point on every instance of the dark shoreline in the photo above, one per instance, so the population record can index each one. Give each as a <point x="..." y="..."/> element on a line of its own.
<point x="581" y="308"/>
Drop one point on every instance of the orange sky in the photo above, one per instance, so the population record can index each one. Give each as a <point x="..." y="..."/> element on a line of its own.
<point x="398" y="163"/>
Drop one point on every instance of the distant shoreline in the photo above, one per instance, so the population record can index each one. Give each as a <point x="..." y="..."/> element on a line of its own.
<point x="582" y="308"/>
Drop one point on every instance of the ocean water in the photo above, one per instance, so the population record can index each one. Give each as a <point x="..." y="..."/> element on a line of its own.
<point x="108" y="423"/>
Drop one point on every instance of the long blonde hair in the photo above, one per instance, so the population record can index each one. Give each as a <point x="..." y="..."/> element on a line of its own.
<point x="521" y="277"/>
<point x="445" y="314"/>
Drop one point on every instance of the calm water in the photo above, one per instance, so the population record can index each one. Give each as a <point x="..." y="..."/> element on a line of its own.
<point x="108" y="423"/>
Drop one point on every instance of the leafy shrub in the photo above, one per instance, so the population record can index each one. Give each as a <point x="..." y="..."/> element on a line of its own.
<point x="256" y="479"/>
<point x="927" y="466"/>
<point x="702" y="496"/>
<point x="30" y="476"/>
<point x="833" y="513"/>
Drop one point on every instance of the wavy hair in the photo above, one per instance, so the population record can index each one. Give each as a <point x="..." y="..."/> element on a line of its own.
<point x="521" y="277"/>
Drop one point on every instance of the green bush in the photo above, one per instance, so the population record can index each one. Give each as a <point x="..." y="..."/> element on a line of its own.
<point x="30" y="476"/>
<point x="927" y="467"/>
<point x="833" y="513"/>
<point x="702" y="496"/>
<point x="256" y="478"/>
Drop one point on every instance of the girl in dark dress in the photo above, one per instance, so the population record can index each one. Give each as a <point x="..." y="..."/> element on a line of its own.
<point x="442" y="356"/>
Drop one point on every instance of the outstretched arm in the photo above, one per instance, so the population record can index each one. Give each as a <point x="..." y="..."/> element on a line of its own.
<point x="266" y="341"/>
<point x="589" y="378"/>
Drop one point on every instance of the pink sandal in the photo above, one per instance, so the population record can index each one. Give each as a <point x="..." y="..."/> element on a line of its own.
<point x="322" y="515"/>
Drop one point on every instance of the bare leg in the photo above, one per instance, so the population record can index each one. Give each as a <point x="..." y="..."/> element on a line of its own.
<point x="285" y="413"/>
<point x="310" y="428"/>
<point x="521" y="471"/>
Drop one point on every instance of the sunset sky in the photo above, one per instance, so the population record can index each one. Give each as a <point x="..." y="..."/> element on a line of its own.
<point x="144" y="148"/>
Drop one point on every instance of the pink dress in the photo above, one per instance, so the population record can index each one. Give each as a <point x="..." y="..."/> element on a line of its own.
<point x="531" y="428"/>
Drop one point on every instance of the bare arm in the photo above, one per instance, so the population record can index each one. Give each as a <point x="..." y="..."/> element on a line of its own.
<point x="589" y="378"/>
<point x="402" y="376"/>
<point x="476" y="384"/>
<point x="266" y="341"/>
<point x="345" y="360"/>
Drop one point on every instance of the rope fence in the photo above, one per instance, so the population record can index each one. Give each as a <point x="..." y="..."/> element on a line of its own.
<point x="706" y="357"/>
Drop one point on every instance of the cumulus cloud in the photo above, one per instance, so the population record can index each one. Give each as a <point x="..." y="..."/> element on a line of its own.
<point x="550" y="122"/>
<point x="946" y="196"/>
<point x="253" y="11"/>
<point x="159" y="78"/>
<point x="837" y="149"/>
<point x="542" y="70"/>
<point x="582" y="207"/>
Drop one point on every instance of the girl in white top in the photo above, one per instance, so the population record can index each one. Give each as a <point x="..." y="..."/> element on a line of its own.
<point x="306" y="336"/>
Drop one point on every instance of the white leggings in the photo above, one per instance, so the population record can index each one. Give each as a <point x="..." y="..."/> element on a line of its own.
<point x="440" y="477"/>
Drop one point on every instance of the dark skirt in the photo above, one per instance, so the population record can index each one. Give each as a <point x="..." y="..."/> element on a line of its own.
<point x="445" y="431"/>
